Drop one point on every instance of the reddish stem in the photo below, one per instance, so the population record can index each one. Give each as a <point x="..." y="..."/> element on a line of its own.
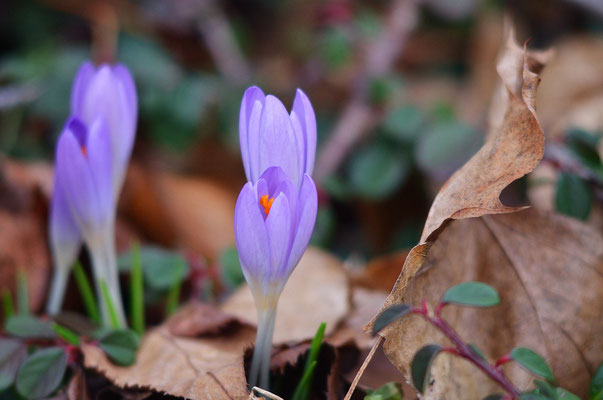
<point x="503" y="360"/>
<point x="463" y="350"/>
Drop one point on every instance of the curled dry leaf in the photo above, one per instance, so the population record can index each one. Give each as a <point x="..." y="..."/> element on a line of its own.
<point x="549" y="271"/>
<point x="319" y="283"/>
<point x="193" y="368"/>
<point x="198" y="319"/>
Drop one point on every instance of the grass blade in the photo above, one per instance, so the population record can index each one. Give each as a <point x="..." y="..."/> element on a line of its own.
<point x="86" y="292"/>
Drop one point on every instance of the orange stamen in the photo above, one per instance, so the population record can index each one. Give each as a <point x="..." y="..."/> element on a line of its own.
<point x="266" y="203"/>
<point x="84" y="151"/>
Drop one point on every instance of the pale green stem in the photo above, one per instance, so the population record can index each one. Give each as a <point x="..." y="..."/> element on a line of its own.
<point x="260" y="363"/>
<point x="104" y="264"/>
<point x="57" y="289"/>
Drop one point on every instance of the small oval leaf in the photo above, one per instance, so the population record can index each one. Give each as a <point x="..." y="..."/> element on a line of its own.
<point x="545" y="389"/>
<point x="30" y="327"/>
<point x="421" y="363"/>
<point x="120" y="346"/>
<point x="532" y="396"/>
<point x="476" y="294"/>
<point x="390" y="315"/>
<point x="533" y="362"/>
<point x="41" y="373"/>
<point x="12" y="354"/>
<point x="595" y="392"/>
<point x="563" y="394"/>
<point x="496" y="396"/>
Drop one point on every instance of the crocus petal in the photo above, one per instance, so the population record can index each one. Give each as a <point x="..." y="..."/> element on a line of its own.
<point x="251" y="237"/>
<point x="100" y="162"/>
<point x="273" y="177"/>
<point x="308" y="201"/>
<point x="252" y="96"/>
<point x="304" y="123"/>
<point x="80" y="85"/>
<point x="277" y="144"/>
<point x="125" y="79"/>
<point x="278" y="226"/>
<point x="253" y="135"/>
<point x="65" y="238"/>
<point x="77" y="183"/>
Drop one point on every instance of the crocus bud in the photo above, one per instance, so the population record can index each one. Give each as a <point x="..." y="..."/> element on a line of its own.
<point x="269" y="136"/>
<point x="84" y="182"/>
<point x="108" y="91"/>
<point x="276" y="210"/>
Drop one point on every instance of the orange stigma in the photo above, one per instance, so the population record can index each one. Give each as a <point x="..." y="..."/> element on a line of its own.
<point x="84" y="151"/>
<point x="266" y="203"/>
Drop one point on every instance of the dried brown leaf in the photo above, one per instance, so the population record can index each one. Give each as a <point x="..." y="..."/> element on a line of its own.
<point x="549" y="271"/>
<point x="198" y="319"/>
<point x="317" y="291"/>
<point x="205" y="368"/>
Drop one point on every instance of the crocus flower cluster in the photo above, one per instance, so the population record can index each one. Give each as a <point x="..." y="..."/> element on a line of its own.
<point x="276" y="209"/>
<point x="91" y="158"/>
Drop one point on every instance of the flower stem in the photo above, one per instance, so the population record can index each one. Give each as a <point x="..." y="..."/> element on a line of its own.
<point x="260" y="363"/>
<point x="465" y="351"/>
<point x="104" y="264"/>
<point x="57" y="290"/>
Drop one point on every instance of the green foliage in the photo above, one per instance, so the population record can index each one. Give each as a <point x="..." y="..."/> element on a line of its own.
<point x="324" y="228"/>
<point x="12" y="354"/>
<point x="335" y="47"/>
<point x="377" y="170"/>
<point x="161" y="268"/>
<point x="533" y="362"/>
<point x="106" y="298"/>
<point x="22" y="294"/>
<point x="421" y="363"/>
<point x="475" y="294"/>
<point x="595" y="391"/>
<point x="583" y="146"/>
<point x="304" y="387"/>
<point x="573" y="196"/>
<point x="389" y="391"/>
<point x="30" y="327"/>
<point x="120" y="346"/>
<point x="230" y="268"/>
<point x="390" y="315"/>
<point x="136" y="292"/>
<point x="404" y="124"/>
<point x="7" y="303"/>
<point x="86" y="292"/>
<point x="66" y="334"/>
<point x="41" y="373"/>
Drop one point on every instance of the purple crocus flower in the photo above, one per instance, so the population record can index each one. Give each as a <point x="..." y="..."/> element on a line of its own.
<point x="108" y="91"/>
<point x="102" y="99"/>
<point x="276" y="210"/>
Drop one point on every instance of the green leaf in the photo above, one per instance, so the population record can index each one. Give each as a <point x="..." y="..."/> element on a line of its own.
<point x="475" y="294"/>
<point x="583" y="145"/>
<point x="532" y="396"/>
<point x="7" y="303"/>
<point x="389" y="391"/>
<point x="120" y="346"/>
<point x="86" y="292"/>
<point x="12" y="354"/>
<point x="530" y="360"/>
<point x="41" y="373"/>
<point x="546" y="389"/>
<point x="573" y="196"/>
<point x="230" y="267"/>
<point x="421" y="363"/>
<point x="66" y="334"/>
<point x="596" y="385"/>
<point x="162" y="268"/>
<point x="496" y="396"/>
<point x="30" y="327"/>
<point x="477" y="351"/>
<point x="106" y="298"/>
<point x="403" y="124"/>
<point x="563" y="394"/>
<point x="390" y="315"/>
<point x="377" y="170"/>
<point x="444" y="147"/>
<point x="136" y="292"/>
<point x="304" y="387"/>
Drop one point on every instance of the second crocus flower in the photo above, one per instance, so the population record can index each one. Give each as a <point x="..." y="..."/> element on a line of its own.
<point x="276" y="210"/>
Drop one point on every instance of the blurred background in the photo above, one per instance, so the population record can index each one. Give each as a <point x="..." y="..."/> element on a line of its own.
<point x="401" y="90"/>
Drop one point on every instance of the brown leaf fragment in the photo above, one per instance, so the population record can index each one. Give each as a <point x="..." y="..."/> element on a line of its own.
<point x="549" y="272"/>
<point x="198" y="319"/>
<point x="204" y="368"/>
<point x="317" y="291"/>
<point x="76" y="390"/>
<point x="512" y="150"/>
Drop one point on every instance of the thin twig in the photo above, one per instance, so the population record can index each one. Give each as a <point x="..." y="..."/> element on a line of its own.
<point x="366" y="362"/>
<point x="358" y="116"/>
